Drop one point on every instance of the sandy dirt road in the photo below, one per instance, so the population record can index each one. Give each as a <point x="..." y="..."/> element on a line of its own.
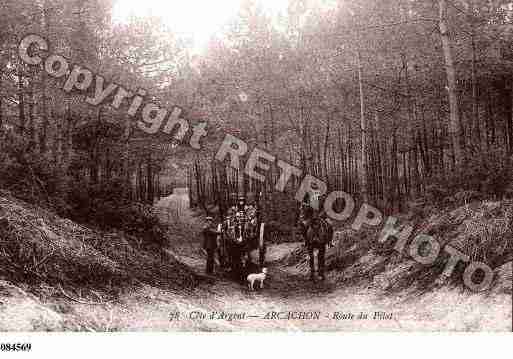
<point x="291" y="298"/>
<point x="289" y="302"/>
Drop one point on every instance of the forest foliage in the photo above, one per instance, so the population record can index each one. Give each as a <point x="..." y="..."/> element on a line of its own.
<point x="389" y="100"/>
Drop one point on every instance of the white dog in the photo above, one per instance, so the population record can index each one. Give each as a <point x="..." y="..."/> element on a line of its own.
<point x="254" y="277"/>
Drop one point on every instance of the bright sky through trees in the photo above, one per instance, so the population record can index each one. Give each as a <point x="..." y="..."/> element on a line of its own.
<point x="199" y="19"/>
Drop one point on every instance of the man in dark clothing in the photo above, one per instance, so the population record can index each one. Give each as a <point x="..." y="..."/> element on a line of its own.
<point x="306" y="214"/>
<point x="236" y="253"/>
<point x="319" y="235"/>
<point x="316" y="239"/>
<point x="210" y="234"/>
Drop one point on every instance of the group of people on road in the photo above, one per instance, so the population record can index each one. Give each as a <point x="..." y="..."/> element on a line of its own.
<point x="226" y="239"/>
<point x="315" y="228"/>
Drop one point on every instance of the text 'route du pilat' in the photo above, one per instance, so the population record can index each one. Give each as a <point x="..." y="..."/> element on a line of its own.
<point x="280" y="315"/>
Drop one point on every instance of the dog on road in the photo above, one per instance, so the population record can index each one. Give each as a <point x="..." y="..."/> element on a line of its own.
<point x="256" y="277"/>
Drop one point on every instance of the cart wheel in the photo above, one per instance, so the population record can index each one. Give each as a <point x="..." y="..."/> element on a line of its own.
<point x="261" y="245"/>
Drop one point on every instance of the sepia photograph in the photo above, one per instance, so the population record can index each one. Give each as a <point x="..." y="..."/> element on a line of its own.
<point x="255" y="166"/>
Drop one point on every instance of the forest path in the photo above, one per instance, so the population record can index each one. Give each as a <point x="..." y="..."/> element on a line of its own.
<point x="287" y="290"/>
<point x="148" y="308"/>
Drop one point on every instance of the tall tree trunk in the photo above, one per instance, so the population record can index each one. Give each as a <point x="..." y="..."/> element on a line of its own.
<point x="363" y="128"/>
<point x="43" y="147"/>
<point x="140" y="191"/>
<point x="425" y="146"/>
<point x="510" y="121"/>
<point x="57" y="145"/>
<point x="396" y="185"/>
<point x="43" y="134"/>
<point x="379" y="160"/>
<point x="31" y="126"/>
<point x="325" y="157"/>
<point x="454" y="124"/>
<point x="412" y="112"/>
<point x="490" y="123"/>
<point x="1" y="103"/>
<point x="149" y="181"/>
<point x="127" y="188"/>
<point x="66" y="139"/>
<point x="475" y="99"/>
<point x="21" y="102"/>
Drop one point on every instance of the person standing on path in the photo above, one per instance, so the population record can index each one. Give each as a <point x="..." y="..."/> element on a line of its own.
<point x="210" y="234"/>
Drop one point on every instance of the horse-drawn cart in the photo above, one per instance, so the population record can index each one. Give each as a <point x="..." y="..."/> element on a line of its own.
<point x="242" y="240"/>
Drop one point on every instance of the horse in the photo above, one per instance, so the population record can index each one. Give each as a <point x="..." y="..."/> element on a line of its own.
<point x="318" y="235"/>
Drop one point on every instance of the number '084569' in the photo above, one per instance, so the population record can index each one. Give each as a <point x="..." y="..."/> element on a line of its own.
<point x="15" y="347"/>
